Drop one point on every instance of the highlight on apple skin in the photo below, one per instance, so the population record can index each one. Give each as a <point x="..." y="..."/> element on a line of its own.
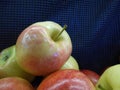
<point x="41" y="48"/>
<point x="67" y="79"/>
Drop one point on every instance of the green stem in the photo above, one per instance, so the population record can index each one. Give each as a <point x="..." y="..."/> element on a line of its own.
<point x="64" y="28"/>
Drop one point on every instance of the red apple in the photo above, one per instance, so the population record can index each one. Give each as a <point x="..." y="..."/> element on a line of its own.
<point x="43" y="48"/>
<point x="67" y="79"/>
<point x="15" y="83"/>
<point x="93" y="76"/>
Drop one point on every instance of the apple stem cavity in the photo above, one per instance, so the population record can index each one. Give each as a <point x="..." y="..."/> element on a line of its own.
<point x="100" y="87"/>
<point x="64" y="28"/>
<point x="5" y="58"/>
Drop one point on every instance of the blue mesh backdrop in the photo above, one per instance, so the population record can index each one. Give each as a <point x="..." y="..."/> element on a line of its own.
<point x="93" y="25"/>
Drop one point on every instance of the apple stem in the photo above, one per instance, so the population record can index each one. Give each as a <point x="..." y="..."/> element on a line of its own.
<point x="64" y="28"/>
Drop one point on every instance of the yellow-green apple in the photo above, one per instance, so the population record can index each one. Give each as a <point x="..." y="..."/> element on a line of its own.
<point x="67" y="79"/>
<point x="110" y="79"/>
<point x="15" y="83"/>
<point x="43" y="47"/>
<point x="71" y="63"/>
<point x="92" y="75"/>
<point x="9" y="67"/>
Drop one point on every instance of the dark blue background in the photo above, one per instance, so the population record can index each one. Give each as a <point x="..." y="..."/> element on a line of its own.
<point x="93" y="25"/>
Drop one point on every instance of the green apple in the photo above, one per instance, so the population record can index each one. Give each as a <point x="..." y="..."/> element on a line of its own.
<point x="9" y="67"/>
<point x="71" y="63"/>
<point x="110" y="79"/>
<point x="43" y="47"/>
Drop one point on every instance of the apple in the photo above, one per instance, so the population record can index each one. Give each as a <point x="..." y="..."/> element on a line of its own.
<point x="15" y="83"/>
<point x="71" y="63"/>
<point x="110" y="79"/>
<point x="92" y="75"/>
<point x="67" y="79"/>
<point x="43" y="48"/>
<point x="9" y="67"/>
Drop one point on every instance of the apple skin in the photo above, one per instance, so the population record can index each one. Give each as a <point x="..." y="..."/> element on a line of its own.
<point x="71" y="63"/>
<point x="15" y="83"/>
<point x="67" y="79"/>
<point x="37" y="50"/>
<point x="9" y="67"/>
<point x="110" y="79"/>
<point x="93" y="76"/>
